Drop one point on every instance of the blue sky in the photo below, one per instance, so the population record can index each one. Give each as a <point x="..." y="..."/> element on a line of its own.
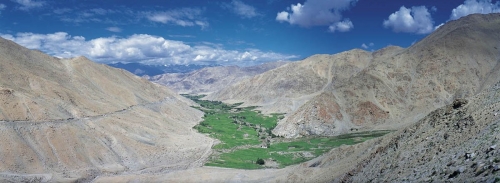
<point x="242" y="32"/>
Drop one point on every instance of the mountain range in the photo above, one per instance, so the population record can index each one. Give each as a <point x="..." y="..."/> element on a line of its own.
<point x="74" y="120"/>
<point x="210" y="79"/>
<point x="153" y="70"/>
<point x="441" y="95"/>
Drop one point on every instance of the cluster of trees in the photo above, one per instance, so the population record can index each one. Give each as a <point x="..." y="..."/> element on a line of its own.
<point x="260" y="161"/>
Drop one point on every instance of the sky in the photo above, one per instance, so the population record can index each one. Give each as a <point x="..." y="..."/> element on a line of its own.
<point x="226" y="32"/>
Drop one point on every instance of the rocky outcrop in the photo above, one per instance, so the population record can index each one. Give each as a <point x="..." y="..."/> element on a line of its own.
<point x="307" y="120"/>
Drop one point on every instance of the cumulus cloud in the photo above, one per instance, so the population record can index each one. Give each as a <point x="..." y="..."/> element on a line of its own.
<point x="59" y="44"/>
<point x="475" y="6"/>
<point x="282" y="16"/>
<point x="114" y="29"/>
<point x="241" y="9"/>
<point x="184" y="17"/>
<point x="29" y="4"/>
<point x="143" y="48"/>
<point x="315" y="12"/>
<point x="343" y="26"/>
<point x="415" y="20"/>
<point x="318" y="13"/>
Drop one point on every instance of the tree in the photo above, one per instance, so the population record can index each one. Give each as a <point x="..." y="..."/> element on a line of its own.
<point x="260" y="161"/>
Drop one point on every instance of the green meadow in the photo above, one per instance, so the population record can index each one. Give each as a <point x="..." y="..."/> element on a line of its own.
<point x="245" y="137"/>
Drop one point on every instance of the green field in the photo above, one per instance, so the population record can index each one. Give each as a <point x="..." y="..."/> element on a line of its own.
<point x="245" y="136"/>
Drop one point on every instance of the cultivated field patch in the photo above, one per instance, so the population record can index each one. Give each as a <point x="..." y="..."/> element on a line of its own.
<point x="246" y="141"/>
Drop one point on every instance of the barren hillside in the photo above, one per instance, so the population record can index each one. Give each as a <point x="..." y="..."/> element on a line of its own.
<point x="75" y="119"/>
<point x="210" y="79"/>
<point x="286" y="88"/>
<point x="457" y="60"/>
<point x="458" y="142"/>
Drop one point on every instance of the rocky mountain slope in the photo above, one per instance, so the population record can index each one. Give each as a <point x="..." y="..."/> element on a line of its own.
<point x="457" y="143"/>
<point x="389" y="88"/>
<point x="210" y="79"/>
<point x="73" y="119"/>
<point x="398" y="89"/>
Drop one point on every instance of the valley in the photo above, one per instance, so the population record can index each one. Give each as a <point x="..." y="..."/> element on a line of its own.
<point x="426" y="113"/>
<point x="246" y="141"/>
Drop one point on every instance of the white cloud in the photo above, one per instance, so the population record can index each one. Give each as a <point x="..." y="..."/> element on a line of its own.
<point x="437" y="26"/>
<point x="282" y="16"/>
<point x="315" y="12"/>
<point x="202" y="24"/>
<point x="242" y="9"/>
<point x="143" y="48"/>
<point x="187" y="17"/>
<point x="2" y="6"/>
<point x="366" y="46"/>
<point x="91" y="15"/>
<point x="475" y="6"/>
<point x="114" y="29"/>
<point x="184" y="17"/>
<point x="61" y="10"/>
<point x="182" y="36"/>
<point x="100" y="11"/>
<point x="415" y="20"/>
<point x="343" y="26"/>
<point x="29" y="4"/>
<point x="434" y="9"/>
